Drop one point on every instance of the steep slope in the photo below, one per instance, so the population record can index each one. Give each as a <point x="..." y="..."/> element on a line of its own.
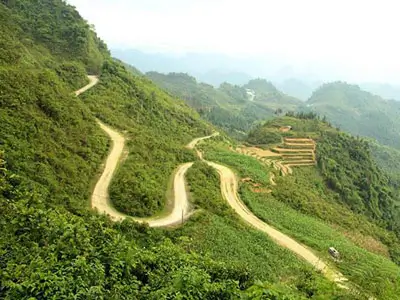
<point x="233" y="108"/>
<point x="51" y="148"/>
<point x="270" y="96"/>
<point x="388" y="159"/>
<point x="345" y="163"/>
<point x="156" y="126"/>
<point x="52" y="245"/>
<point x="48" y="135"/>
<point x="358" y="112"/>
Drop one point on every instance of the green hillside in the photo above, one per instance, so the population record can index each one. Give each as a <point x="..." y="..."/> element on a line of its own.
<point x="345" y="200"/>
<point x="52" y="245"/>
<point x="345" y="164"/>
<point x="229" y="106"/>
<point x="270" y="96"/>
<point x="358" y="112"/>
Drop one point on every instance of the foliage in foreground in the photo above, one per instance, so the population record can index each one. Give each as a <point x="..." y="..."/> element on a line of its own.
<point x="216" y="230"/>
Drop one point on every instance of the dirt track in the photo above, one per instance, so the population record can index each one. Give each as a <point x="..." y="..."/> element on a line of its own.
<point x="93" y="80"/>
<point x="229" y="190"/>
<point x="193" y="143"/>
<point x="100" y="197"/>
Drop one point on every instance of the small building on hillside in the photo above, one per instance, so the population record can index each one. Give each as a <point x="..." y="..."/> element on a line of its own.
<point x="285" y="128"/>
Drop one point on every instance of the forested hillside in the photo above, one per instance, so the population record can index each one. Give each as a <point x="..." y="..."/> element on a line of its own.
<point x="358" y="112"/>
<point x="229" y="107"/>
<point x="347" y="167"/>
<point x="52" y="245"/>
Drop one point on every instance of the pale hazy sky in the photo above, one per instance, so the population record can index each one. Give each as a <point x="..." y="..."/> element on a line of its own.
<point x="359" y="37"/>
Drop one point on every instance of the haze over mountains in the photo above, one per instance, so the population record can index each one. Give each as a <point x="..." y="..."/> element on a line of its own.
<point x="215" y="68"/>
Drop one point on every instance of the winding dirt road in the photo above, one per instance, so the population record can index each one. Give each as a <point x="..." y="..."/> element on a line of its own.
<point x="181" y="208"/>
<point x="93" y="80"/>
<point x="100" y="196"/>
<point x="229" y="188"/>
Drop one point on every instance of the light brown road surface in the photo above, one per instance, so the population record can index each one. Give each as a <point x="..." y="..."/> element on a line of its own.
<point x="180" y="211"/>
<point x="93" y="80"/>
<point x="100" y="196"/>
<point x="193" y="143"/>
<point x="229" y="188"/>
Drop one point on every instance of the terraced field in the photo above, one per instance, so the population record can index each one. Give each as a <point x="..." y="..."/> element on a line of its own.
<point x="297" y="152"/>
<point x="293" y="152"/>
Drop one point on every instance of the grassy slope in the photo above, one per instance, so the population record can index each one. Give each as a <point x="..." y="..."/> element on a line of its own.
<point x="217" y="231"/>
<point x="157" y="127"/>
<point x="358" y="112"/>
<point x="49" y="137"/>
<point x="296" y="208"/>
<point x="51" y="245"/>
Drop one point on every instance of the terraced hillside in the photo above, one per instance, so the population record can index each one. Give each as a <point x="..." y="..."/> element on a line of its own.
<point x="297" y="152"/>
<point x="292" y="152"/>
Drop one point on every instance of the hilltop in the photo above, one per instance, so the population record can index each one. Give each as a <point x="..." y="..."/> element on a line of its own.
<point x="358" y="112"/>
<point x="233" y="108"/>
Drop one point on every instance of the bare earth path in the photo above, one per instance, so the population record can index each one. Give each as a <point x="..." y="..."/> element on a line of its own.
<point x="229" y="190"/>
<point x="93" y="80"/>
<point x="100" y="197"/>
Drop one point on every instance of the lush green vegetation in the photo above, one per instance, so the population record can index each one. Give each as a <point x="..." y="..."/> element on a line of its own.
<point x="216" y="231"/>
<point x="53" y="247"/>
<point x="151" y="120"/>
<point x="228" y="106"/>
<point x="303" y="125"/>
<point x="303" y="206"/>
<point x="358" y="112"/>
<point x="388" y="159"/>
<point x="49" y="137"/>
<point x="346" y="166"/>
<point x="52" y="254"/>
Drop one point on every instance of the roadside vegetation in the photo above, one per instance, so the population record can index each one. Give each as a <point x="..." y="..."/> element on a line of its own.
<point x="306" y="207"/>
<point x="53" y="246"/>
<point x="215" y="230"/>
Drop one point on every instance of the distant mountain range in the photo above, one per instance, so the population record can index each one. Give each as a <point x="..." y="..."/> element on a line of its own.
<point x="215" y="69"/>
<point x="346" y="106"/>
<point x="228" y="106"/>
<point x="358" y="111"/>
